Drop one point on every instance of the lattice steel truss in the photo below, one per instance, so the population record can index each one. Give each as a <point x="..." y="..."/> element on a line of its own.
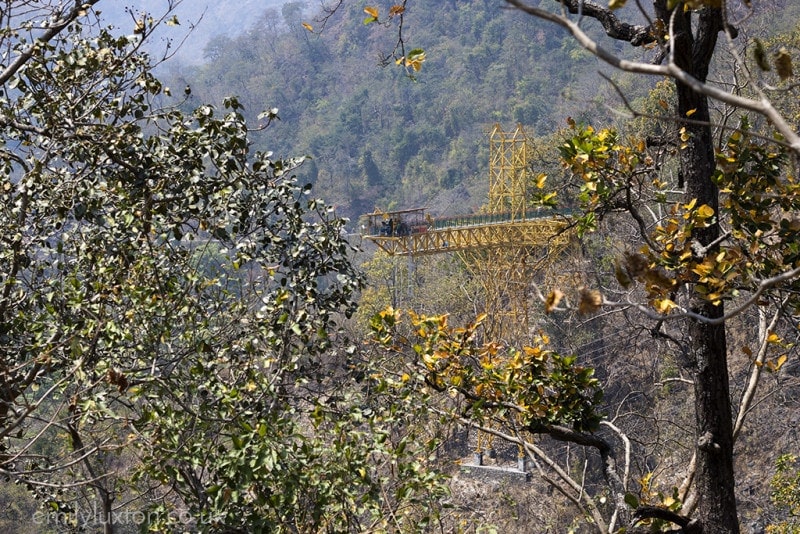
<point x="508" y="172"/>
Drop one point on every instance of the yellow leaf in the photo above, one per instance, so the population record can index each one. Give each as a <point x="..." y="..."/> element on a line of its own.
<point x="616" y="4"/>
<point x="308" y="26"/>
<point x="405" y="378"/>
<point x="540" y="180"/>
<point x="415" y="59"/>
<point x="773" y="338"/>
<point x="691" y="112"/>
<point x="665" y="305"/>
<point x="704" y="269"/>
<point x="776" y="364"/>
<point x="705" y="211"/>
<point x="371" y="11"/>
<point x="396" y="10"/>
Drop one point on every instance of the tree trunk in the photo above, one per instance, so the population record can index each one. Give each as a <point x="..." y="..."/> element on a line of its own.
<point x="691" y="46"/>
<point x="714" y="428"/>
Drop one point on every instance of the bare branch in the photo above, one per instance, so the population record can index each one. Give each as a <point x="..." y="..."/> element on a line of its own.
<point x="587" y="507"/>
<point x="755" y="374"/>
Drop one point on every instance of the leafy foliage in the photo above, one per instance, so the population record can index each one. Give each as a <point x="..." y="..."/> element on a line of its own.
<point x="533" y="387"/>
<point x="758" y="200"/>
<point x="170" y="302"/>
<point x="785" y="486"/>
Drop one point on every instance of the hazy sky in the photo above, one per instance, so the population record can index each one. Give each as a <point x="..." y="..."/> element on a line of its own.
<point x="212" y="18"/>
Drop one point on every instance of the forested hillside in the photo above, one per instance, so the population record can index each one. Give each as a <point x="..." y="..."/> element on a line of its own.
<point x="378" y="138"/>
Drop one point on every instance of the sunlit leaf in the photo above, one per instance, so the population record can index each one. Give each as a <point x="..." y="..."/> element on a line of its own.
<point x="373" y="14"/>
<point x="415" y="58"/>
<point x="773" y="338"/>
<point x="705" y="211"/>
<point x="776" y="364"/>
<point x="665" y="305"/>
<point x="552" y="300"/>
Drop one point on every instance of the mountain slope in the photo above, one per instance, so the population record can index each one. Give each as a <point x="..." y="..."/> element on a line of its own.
<point x="377" y="137"/>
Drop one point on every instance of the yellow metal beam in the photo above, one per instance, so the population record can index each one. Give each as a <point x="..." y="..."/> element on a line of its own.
<point x="532" y="232"/>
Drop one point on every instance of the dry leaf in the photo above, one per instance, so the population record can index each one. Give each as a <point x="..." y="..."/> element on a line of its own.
<point x="783" y="63"/>
<point x="591" y="300"/>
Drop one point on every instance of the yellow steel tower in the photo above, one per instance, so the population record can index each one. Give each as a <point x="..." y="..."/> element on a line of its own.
<point x="508" y="172"/>
<point x="506" y="272"/>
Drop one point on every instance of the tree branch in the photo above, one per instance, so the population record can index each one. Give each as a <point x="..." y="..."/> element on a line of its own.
<point x="53" y="29"/>
<point x="587" y="506"/>
<point x="755" y="375"/>
<point x="654" y="512"/>
<point x="762" y="106"/>
<point x="607" y="456"/>
<point x="637" y="35"/>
